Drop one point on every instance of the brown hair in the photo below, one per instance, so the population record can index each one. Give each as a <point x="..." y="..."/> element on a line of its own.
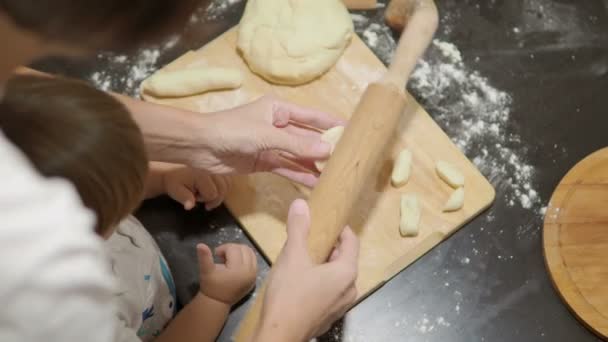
<point x="71" y="130"/>
<point x="101" y="23"/>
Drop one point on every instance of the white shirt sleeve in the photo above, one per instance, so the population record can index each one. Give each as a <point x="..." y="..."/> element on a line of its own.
<point x="55" y="284"/>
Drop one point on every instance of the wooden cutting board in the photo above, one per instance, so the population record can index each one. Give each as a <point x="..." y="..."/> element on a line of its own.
<point x="576" y="240"/>
<point x="260" y="202"/>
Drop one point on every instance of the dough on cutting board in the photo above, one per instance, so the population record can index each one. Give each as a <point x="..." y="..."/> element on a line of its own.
<point x="401" y="169"/>
<point x="456" y="201"/>
<point x="191" y="81"/>
<point x="331" y="136"/>
<point x="410" y="215"/>
<point x="293" y="41"/>
<point x="450" y="174"/>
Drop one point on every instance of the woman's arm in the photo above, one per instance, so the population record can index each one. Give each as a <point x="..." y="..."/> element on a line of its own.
<point x="172" y="135"/>
<point x="266" y="135"/>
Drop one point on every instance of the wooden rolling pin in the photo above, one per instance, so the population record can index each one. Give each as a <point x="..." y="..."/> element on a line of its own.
<point x="358" y="153"/>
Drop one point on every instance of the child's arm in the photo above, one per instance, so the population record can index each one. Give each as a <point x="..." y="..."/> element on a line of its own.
<point x="186" y="185"/>
<point x="201" y="321"/>
<point x="221" y="286"/>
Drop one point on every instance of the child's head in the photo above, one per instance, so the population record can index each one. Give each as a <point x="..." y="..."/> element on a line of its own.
<point x="71" y="130"/>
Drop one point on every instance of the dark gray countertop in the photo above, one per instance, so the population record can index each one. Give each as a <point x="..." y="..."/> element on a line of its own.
<point x="487" y="282"/>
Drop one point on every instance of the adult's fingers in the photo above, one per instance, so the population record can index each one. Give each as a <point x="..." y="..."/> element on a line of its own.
<point x="306" y="116"/>
<point x="300" y="146"/>
<point x="231" y="253"/>
<point x="271" y="161"/>
<point x="302" y="131"/>
<point x="304" y="178"/>
<point x="205" y="258"/>
<point x="298" y="222"/>
<point x="305" y="164"/>
<point x="348" y="248"/>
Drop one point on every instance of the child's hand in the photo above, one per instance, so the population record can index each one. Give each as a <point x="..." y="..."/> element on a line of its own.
<point x="187" y="185"/>
<point x="231" y="281"/>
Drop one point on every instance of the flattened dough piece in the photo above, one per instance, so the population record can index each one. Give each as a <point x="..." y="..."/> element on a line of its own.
<point x="331" y="136"/>
<point x="401" y="169"/>
<point x="455" y="202"/>
<point x="191" y="81"/>
<point x="293" y="41"/>
<point x="410" y="215"/>
<point x="450" y="174"/>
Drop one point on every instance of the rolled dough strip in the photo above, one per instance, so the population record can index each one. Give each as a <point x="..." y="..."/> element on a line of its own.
<point x="191" y="81"/>
<point x="456" y="201"/>
<point x="410" y="215"/>
<point x="450" y="174"/>
<point x="401" y="169"/>
<point x="331" y="136"/>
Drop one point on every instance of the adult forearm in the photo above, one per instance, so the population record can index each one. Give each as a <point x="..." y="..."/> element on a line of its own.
<point x="199" y="321"/>
<point x="171" y="135"/>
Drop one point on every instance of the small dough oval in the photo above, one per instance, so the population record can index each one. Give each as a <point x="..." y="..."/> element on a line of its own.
<point x="331" y="136"/>
<point x="401" y="169"/>
<point x="192" y="81"/>
<point x="455" y="202"/>
<point x="410" y="215"/>
<point x="450" y="174"/>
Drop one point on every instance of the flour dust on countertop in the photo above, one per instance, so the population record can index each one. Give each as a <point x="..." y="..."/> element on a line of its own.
<point x="126" y="72"/>
<point x="473" y="112"/>
<point x="217" y="9"/>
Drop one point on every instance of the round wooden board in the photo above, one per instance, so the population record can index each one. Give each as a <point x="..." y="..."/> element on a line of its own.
<point x="575" y="240"/>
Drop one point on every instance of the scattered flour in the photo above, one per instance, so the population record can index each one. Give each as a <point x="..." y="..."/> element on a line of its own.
<point x="217" y="9"/>
<point x="358" y="19"/>
<point x="379" y="38"/>
<point x="476" y="115"/>
<point x="127" y="72"/>
<point x="371" y="36"/>
<point x="427" y="325"/>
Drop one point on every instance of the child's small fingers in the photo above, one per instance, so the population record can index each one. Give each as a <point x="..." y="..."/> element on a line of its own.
<point x="213" y="204"/>
<point x="205" y="258"/>
<point x="231" y="254"/>
<point x="184" y="196"/>
<point x="253" y="260"/>
<point x="222" y="186"/>
<point x="206" y="188"/>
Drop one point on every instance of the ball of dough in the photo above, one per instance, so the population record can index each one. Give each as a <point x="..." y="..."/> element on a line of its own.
<point x="293" y="41"/>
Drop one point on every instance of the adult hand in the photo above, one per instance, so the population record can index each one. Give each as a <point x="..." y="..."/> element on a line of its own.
<point x="267" y="135"/>
<point x="303" y="299"/>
